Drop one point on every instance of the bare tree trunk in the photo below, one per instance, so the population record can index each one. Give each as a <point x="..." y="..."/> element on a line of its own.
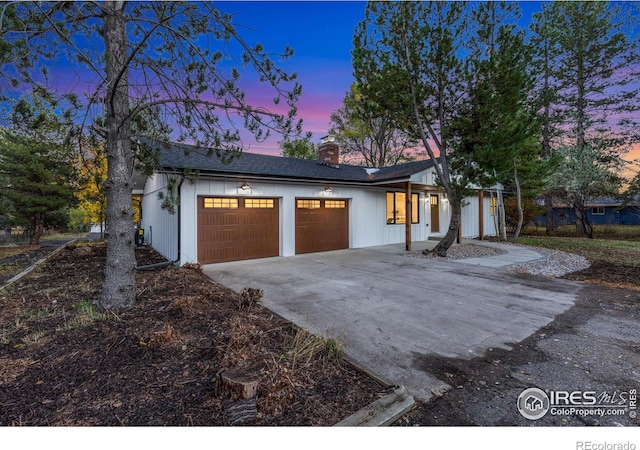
<point x="551" y="220"/>
<point x="36" y="229"/>
<point x="583" y="225"/>
<point x="118" y="290"/>
<point x="516" y="234"/>
<point x="502" y="216"/>
<point x="452" y="232"/>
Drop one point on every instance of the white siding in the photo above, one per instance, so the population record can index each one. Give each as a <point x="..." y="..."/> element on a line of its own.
<point x="470" y="217"/>
<point x="490" y="224"/>
<point x="160" y="227"/>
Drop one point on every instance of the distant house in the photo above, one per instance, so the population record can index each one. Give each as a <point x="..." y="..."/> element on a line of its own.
<point x="601" y="211"/>
<point x="263" y="206"/>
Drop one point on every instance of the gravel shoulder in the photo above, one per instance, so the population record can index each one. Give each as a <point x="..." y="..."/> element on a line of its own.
<point x="556" y="265"/>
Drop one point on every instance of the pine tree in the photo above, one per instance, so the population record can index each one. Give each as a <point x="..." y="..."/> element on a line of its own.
<point x="35" y="165"/>
<point x="499" y="129"/>
<point x="590" y="94"/>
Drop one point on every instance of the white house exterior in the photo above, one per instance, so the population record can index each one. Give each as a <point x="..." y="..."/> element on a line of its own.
<point x="262" y="206"/>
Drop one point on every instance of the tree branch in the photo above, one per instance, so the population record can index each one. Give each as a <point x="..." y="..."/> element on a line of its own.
<point x="69" y="42"/>
<point x="206" y="103"/>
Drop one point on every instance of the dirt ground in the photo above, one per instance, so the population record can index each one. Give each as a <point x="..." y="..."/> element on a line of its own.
<point x="64" y="362"/>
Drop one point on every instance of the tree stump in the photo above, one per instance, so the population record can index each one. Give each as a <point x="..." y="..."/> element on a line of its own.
<point x="237" y="384"/>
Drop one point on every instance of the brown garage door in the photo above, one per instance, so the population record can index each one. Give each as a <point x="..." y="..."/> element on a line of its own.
<point x="233" y="229"/>
<point x="321" y="225"/>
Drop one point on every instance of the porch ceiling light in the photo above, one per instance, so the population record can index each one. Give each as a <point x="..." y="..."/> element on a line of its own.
<point x="245" y="186"/>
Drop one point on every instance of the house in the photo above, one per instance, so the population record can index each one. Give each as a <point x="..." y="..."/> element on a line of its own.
<point x="261" y="206"/>
<point x="600" y="211"/>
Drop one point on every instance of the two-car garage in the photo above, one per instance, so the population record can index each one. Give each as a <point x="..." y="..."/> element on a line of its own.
<point x="239" y="228"/>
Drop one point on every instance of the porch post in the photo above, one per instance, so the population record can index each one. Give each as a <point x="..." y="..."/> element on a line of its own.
<point x="481" y="214"/>
<point x="409" y="215"/>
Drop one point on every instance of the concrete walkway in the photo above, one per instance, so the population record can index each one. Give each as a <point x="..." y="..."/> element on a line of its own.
<point x="394" y="313"/>
<point x="512" y="254"/>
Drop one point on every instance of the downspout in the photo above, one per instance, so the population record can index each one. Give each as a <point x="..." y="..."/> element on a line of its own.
<point x="177" y="261"/>
<point x="169" y="263"/>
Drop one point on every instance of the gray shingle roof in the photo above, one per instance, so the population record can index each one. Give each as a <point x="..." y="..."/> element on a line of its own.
<point x="182" y="156"/>
<point x="615" y="201"/>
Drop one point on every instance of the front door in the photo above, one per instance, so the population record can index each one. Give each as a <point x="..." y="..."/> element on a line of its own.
<point x="435" y="213"/>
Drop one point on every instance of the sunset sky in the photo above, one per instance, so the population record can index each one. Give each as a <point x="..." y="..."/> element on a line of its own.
<point x="321" y="35"/>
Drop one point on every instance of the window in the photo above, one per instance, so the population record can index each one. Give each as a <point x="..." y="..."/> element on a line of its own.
<point x="258" y="203"/>
<point x="597" y="210"/>
<point x="335" y="204"/>
<point x="220" y="202"/>
<point x="308" y="204"/>
<point x="397" y="208"/>
<point x="493" y="206"/>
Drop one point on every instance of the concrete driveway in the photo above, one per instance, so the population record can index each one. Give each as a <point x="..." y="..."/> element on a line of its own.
<point x="391" y="310"/>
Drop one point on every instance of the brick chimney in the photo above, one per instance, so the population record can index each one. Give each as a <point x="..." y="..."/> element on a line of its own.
<point x="328" y="151"/>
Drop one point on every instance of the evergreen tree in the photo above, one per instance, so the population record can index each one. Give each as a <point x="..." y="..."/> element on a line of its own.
<point x="35" y="165"/>
<point x="499" y="128"/>
<point x="590" y="49"/>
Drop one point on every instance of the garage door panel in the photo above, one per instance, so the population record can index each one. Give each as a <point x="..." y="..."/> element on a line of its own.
<point x="232" y="234"/>
<point x="322" y="226"/>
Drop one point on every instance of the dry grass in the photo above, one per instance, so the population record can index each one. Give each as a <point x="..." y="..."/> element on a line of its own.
<point x="612" y="251"/>
<point x="306" y="347"/>
<point x="617" y="232"/>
